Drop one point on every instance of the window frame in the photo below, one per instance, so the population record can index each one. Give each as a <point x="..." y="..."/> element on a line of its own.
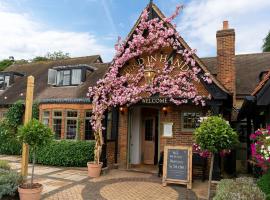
<point x="60" y="83"/>
<point x="5" y="85"/>
<point x="182" y="119"/>
<point x="88" y="118"/>
<point x="57" y="117"/>
<point x="71" y="118"/>
<point x="47" y="117"/>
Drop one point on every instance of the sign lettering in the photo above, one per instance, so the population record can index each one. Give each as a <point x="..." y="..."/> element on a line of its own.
<point x="155" y="100"/>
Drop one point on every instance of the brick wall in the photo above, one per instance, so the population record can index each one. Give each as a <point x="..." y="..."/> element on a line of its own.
<point x="110" y="153"/>
<point x="122" y="139"/>
<point x="226" y="57"/>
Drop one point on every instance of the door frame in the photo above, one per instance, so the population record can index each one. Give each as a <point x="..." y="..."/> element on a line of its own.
<point x="158" y="108"/>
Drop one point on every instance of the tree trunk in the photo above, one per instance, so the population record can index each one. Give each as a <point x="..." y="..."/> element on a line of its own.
<point x="210" y="176"/>
<point x="33" y="167"/>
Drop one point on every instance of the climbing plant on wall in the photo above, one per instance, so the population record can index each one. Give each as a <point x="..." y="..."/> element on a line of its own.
<point x="114" y="89"/>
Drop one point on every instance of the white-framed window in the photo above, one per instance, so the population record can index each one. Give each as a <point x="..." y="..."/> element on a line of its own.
<point x="65" y="77"/>
<point x="71" y="124"/>
<point x="57" y="123"/>
<point x="4" y="81"/>
<point x="109" y="126"/>
<point x="46" y="117"/>
<point x="190" y="120"/>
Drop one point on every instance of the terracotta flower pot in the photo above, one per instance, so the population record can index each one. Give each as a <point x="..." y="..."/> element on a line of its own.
<point x="27" y="193"/>
<point x="94" y="169"/>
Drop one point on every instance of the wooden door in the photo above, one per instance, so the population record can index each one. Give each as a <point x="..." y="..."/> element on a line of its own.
<point x="149" y="140"/>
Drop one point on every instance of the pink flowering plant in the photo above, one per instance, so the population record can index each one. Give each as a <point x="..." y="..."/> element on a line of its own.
<point x="115" y="89"/>
<point x="260" y="148"/>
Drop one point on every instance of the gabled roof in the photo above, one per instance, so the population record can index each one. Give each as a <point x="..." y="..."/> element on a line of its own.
<point x="248" y="68"/>
<point x="44" y="91"/>
<point x="261" y="84"/>
<point x="156" y="13"/>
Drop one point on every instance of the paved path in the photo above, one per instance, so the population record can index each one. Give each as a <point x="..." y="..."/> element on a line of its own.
<point x="73" y="184"/>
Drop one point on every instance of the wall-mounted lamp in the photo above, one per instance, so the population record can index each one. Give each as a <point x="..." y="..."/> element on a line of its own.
<point x="122" y="110"/>
<point x="165" y="110"/>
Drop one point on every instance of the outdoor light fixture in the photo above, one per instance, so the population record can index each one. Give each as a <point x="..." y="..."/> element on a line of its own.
<point x="149" y="75"/>
<point x="165" y="110"/>
<point x="122" y="110"/>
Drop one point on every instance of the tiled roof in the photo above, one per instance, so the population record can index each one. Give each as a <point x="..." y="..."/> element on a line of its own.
<point x="261" y="84"/>
<point x="248" y="69"/>
<point x="44" y="91"/>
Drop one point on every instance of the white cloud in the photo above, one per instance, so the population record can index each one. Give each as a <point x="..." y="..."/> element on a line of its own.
<point x="201" y="19"/>
<point x="25" y="38"/>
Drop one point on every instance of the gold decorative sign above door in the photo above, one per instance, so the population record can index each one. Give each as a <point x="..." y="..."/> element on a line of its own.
<point x="156" y="61"/>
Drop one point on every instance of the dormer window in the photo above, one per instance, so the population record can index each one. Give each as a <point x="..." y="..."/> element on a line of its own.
<point x="4" y="81"/>
<point x="68" y="75"/>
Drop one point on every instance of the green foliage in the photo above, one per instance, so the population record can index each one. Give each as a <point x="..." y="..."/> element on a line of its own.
<point x="9" y="144"/>
<point x="266" y="43"/>
<point x="35" y="134"/>
<point x="15" y="114"/>
<point x="66" y="153"/>
<point x="5" y="63"/>
<point x="264" y="184"/>
<point x="39" y="59"/>
<point x="35" y="111"/>
<point x="215" y="134"/>
<point x="239" y="189"/>
<point x="57" y="55"/>
<point x="4" y="165"/>
<point x="9" y="182"/>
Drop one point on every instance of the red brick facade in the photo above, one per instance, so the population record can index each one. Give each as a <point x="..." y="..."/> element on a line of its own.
<point x="226" y="57"/>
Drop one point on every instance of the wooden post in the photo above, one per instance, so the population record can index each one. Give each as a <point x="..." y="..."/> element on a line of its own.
<point x="27" y="118"/>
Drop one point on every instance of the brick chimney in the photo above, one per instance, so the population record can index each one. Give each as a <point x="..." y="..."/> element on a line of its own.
<point x="226" y="58"/>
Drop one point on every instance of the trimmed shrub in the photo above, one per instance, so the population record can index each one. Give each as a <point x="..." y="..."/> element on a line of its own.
<point x="264" y="184"/>
<point x="66" y="153"/>
<point x="4" y="165"/>
<point x="240" y="189"/>
<point x="9" y="182"/>
<point x="9" y="144"/>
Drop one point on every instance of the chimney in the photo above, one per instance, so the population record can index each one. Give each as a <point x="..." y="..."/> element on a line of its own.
<point x="226" y="58"/>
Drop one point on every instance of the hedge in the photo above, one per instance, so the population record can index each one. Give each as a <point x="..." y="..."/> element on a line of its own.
<point x="264" y="184"/>
<point x="66" y="153"/>
<point x="9" y="145"/>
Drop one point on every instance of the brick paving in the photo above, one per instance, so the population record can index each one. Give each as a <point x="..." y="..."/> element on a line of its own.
<point x="73" y="184"/>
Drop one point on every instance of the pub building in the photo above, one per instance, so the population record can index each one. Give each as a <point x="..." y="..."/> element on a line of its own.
<point x="139" y="132"/>
<point x="136" y="135"/>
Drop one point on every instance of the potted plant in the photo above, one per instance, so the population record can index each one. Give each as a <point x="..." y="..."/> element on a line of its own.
<point x="214" y="135"/>
<point x="94" y="167"/>
<point x="35" y="134"/>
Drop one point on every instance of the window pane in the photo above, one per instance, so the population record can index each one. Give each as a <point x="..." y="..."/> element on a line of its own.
<point x="57" y="127"/>
<point x="66" y="80"/>
<point x="45" y="121"/>
<point x="109" y="126"/>
<point x="88" y="114"/>
<point x="71" y="128"/>
<point x="72" y="113"/>
<point x="89" y="135"/>
<point x="7" y="78"/>
<point x="57" y="113"/>
<point x="60" y="77"/>
<point x="149" y="130"/>
<point x="76" y="76"/>
<point x="190" y="120"/>
<point x="2" y="85"/>
<point x="46" y="114"/>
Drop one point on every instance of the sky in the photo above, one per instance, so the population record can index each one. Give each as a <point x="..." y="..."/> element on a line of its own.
<point x="30" y="28"/>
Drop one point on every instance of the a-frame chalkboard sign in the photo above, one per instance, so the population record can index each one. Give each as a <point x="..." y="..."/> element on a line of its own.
<point x="177" y="165"/>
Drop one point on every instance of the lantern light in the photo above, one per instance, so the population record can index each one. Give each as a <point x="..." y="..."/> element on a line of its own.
<point x="149" y="75"/>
